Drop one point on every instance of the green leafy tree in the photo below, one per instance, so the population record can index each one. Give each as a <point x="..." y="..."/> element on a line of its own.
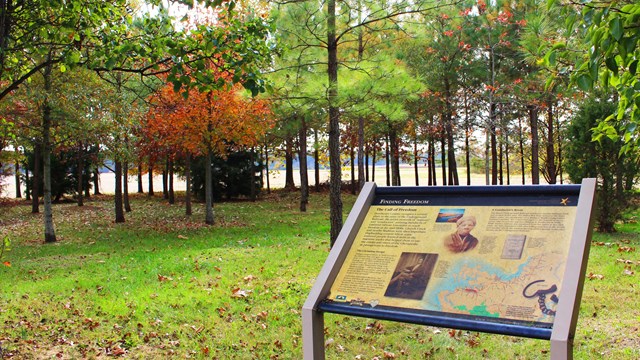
<point x="611" y="57"/>
<point x="328" y="28"/>
<point x="44" y="37"/>
<point x="586" y="158"/>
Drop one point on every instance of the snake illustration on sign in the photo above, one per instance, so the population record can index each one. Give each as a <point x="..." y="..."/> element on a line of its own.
<point x="542" y="296"/>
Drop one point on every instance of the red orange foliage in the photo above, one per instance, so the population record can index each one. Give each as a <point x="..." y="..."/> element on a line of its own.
<point x="221" y="119"/>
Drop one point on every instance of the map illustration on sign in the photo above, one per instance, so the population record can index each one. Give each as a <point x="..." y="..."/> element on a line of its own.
<point x="501" y="259"/>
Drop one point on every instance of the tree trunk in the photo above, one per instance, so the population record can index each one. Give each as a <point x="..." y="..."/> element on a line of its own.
<point x="521" y="141"/>
<point x="37" y="178"/>
<point x="140" y="187"/>
<point x="352" y="156"/>
<point x="416" y="160"/>
<point x="366" y="164"/>
<point x="96" y="182"/>
<point x="361" y="174"/>
<point x="49" y="230"/>
<point x="506" y="158"/>
<point x="373" y="163"/>
<point x="266" y="165"/>
<point x="119" y="209"/>
<point x="494" y="144"/>
<point x="361" y="163"/>
<point x="467" y="154"/>
<point x="551" y="159"/>
<point x="27" y="189"/>
<point x="150" y="179"/>
<point x="429" y="162"/>
<point x="172" y="194"/>
<point x="125" y="187"/>
<point x="208" y="175"/>
<point x="255" y="157"/>
<point x="304" y="175"/>
<point x="500" y="163"/>
<point x="443" y="160"/>
<point x="388" y="162"/>
<point x="187" y="195"/>
<point x="316" y="160"/>
<point x="79" y="173"/>
<point x="535" y="162"/>
<point x="288" y="162"/>
<point x="87" y="187"/>
<point x="451" y="151"/>
<point x="487" y="156"/>
<point x="17" y="177"/>
<point x="433" y="176"/>
<point x="560" y="144"/>
<point x="335" y="183"/>
<point x="395" y="158"/>
<point x="165" y="178"/>
<point x="467" y="131"/>
<point x="451" y="157"/>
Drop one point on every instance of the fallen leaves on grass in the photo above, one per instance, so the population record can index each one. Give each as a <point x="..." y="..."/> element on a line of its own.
<point x="593" y="276"/>
<point x="7" y="264"/>
<point x="262" y="315"/>
<point x="375" y="327"/>
<point x="91" y="324"/>
<point x="474" y="340"/>
<point x="163" y="278"/>
<point x="239" y="293"/>
<point x="626" y="249"/>
<point x="116" y="351"/>
<point x="628" y="262"/>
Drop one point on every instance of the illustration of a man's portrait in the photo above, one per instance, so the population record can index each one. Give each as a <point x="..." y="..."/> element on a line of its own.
<point x="411" y="276"/>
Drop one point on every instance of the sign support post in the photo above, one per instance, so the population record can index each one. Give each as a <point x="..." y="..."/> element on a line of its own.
<point x="564" y="326"/>
<point x="312" y="319"/>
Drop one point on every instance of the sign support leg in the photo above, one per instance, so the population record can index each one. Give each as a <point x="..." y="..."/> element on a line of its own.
<point x="312" y="334"/>
<point x="561" y="349"/>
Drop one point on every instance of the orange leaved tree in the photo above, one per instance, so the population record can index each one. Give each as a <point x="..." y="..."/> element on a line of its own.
<point x="204" y="123"/>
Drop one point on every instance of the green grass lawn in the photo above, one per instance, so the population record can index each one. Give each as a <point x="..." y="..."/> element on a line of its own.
<point x="163" y="285"/>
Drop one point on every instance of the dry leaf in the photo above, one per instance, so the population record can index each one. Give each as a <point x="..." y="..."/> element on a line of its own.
<point x="117" y="351"/>
<point x="593" y="276"/>
<point x="262" y="315"/>
<point x="389" y="355"/>
<point x="239" y="293"/>
<point x="473" y="343"/>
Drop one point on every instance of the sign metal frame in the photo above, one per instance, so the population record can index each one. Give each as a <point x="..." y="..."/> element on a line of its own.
<point x="561" y="334"/>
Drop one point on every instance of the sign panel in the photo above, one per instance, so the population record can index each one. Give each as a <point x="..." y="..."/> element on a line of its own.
<point x="477" y="256"/>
